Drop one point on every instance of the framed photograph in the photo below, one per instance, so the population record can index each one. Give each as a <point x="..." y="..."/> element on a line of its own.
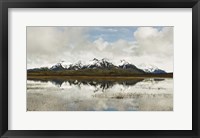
<point x="99" y="69"/>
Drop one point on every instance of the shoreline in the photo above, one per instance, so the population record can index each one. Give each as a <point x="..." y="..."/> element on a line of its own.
<point x="45" y="77"/>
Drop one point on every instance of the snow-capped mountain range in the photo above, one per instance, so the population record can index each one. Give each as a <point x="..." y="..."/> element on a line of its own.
<point x="105" y="64"/>
<point x="93" y="64"/>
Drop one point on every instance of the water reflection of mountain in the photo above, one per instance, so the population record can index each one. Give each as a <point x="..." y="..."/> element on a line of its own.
<point x="98" y="84"/>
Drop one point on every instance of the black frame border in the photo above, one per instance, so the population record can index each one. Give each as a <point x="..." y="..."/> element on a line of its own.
<point x="6" y="4"/>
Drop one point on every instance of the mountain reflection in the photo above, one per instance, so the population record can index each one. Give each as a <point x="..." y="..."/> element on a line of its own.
<point x="99" y="85"/>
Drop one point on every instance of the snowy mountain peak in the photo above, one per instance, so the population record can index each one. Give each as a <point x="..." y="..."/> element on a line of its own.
<point x="124" y="62"/>
<point x="103" y="63"/>
<point x="58" y="66"/>
<point x="95" y="59"/>
<point x="105" y="60"/>
<point x="95" y="62"/>
<point x="150" y="68"/>
<point x="79" y="63"/>
<point x="61" y="65"/>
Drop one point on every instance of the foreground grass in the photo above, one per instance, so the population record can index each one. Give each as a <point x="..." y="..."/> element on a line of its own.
<point x="46" y="77"/>
<point x="97" y="72"/>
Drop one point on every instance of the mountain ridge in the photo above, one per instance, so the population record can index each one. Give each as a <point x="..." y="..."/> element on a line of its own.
<point x="100" y="65"/>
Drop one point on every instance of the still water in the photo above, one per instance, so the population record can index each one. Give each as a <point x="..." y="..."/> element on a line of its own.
<point x="149" y="94"/>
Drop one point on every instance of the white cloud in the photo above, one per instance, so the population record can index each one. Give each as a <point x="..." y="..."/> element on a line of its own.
<point x="152" y="41"/>
<point x="155" y="44"/>
<point x="101" y="44"/>
<point x="49" y="45"/>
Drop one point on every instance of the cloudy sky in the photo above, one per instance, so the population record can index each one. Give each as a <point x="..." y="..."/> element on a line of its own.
<point x="47" y="46"/>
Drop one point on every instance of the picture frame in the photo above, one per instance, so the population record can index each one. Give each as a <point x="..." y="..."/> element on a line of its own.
<point x="6" y="4"/>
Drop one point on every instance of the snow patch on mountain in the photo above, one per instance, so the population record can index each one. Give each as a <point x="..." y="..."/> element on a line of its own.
<point x="66" y="64"/>
<point x="149" y="68"/>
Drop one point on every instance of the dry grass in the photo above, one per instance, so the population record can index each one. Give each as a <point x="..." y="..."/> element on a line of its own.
<point x="35" y="77"/>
